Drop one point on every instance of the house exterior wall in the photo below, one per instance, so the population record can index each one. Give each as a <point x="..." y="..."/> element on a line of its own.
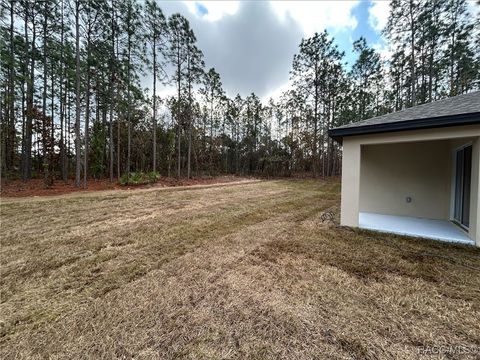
<point x="389" y="173"/>
<point x="474" y="231"/>
<point x="350" y="183"/>
<point x="352" y="173"/>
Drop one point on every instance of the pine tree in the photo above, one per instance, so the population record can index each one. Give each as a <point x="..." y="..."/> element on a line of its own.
<point x="92" y="17"/>
<point x="212" y="93"/>
<point x="78" y="159"/>
<point x="316" y="57"/>
<point x="177" y="54"/>
<point x="366" y="74"/>
<point x="193" y="75"/>
<point x="156" y="35"/>
<point x="67" y="61"/>
<point x="131" y="25"/>
<point x="463" y="70"/>
<point x="402" y="30"/>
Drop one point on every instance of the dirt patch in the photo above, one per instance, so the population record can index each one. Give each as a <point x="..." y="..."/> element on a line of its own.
<point x="36" y="187"/>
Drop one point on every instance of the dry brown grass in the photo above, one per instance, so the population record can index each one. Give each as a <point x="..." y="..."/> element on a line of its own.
<point x="239" y="271"/>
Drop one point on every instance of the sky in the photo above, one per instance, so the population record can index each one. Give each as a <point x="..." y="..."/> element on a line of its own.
<point x="251" y="43"/>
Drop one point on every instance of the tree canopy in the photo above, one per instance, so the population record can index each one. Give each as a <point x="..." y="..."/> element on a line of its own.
<point x="72" y="103"/>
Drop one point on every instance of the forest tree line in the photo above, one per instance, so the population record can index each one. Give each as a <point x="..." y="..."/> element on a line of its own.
<point x="72" y="103"/>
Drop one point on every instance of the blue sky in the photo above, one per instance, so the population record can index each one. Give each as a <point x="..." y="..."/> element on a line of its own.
<point x="201" y="9"/>
<point x="364" y="28"/>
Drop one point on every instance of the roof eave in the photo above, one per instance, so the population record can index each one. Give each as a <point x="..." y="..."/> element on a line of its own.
<point x="337" y="134"/>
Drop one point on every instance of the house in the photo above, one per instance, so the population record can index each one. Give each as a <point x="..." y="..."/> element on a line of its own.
<point x="415" y="172"/>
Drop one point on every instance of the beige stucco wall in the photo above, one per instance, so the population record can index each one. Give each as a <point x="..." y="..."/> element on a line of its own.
<point x="442" y="140"/>
<point x="389" y="173"/>
<point x="474" y="230"/>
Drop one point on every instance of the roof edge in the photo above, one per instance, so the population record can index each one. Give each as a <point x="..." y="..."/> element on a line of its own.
<point x="427" y="123"/>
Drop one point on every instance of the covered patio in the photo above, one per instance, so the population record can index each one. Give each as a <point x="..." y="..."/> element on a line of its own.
<point x="416" y="171"/>
<point x="418" y="227"/>
<point x="417" y="188"/>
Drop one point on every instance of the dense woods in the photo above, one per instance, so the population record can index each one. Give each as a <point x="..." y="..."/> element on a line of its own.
<point x="72" y="103"/>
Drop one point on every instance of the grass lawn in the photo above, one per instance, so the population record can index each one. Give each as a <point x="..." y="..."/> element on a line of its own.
<point x="245" y="270"/>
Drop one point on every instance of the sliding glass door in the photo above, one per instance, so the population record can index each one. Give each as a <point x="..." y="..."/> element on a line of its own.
<point x="463" y="176"/>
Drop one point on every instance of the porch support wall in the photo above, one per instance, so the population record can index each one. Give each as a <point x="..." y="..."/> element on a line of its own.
<point x="350" y="183"/>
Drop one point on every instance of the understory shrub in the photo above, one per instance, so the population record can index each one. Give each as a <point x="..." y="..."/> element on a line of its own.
<point x="139" y="178"/>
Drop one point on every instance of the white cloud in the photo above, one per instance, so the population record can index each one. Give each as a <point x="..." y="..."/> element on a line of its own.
<point x="277" y="92"/>
<point x="252" y="43"/>
<point x="384" y="50"/>
<point x="216" y="9"/>
<point x="474" y="8"/>
<point x="378" y="14"/>
<point x="315" y="16"/>
<point x="252" y="49"/>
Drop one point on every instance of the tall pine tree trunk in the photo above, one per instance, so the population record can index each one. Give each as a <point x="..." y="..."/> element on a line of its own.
<point x="189" y="147"/>
<point x="118" y="124"/>
<point x="154" y="110"/>
<point x="315" y="125"/>
<point x="129" y="122"/>
<point x="27" y="164"/>
<point x="78" y="160"/>
<point x="179" y="168"/>
<point x="412" y="57"/>
<point x="62" y="100"/>
<point x="87" y="119"/>
<point x="10" y="145"/>
<point x="44" y="93"/>
<point x="112" y="95"/>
